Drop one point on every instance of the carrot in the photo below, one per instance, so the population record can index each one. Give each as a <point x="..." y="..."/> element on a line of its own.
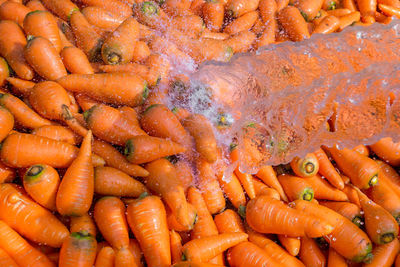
<point x="20" y="250"/>
<point x="124" y="258"/>
<point x="291" y="244"/>
<point x="296" y="187"/>
<point x="117" y="7"/>
<point x="6" y="260"/>
<point x="387" y="150"/>
<point x="383" y="195"/>
<point x="85" y="102"/>
<point x="229" y="222"/>
<point x="237" y="8"/>
<point x="267" y="9"/>
<point x="142" y="70"/>
<point x="309" y="9"/>
<point x="147" y="220"/>
<point x="242" y="23"/>
<point x="105" y="257"/>
<point x="305" y="167"/>
<point x="363" y="150"/>
<point x="349" y="19"/>
<point x="79" y="249"/>
<point x="35" y="5"/>
<point x="362" y="171"/>
<point x="293" y="23"/>
<point x="328" y="25"/>
<point x="249" y="254"/>
<point x="194" y="264"/>
<point x="213" y="14"/>
<point x="20" y="87"/>
<point x="7" y="174"/>
<point x="367" y="9"/>
<point x="346" y="238"/>
<point x="349" y="210"/>
<point x="101" y="17"/>
<point x="351" y="195"/>
<point x="75" y="194"/>
<point x="57" y="132"/>
<point x="335" y="259"/>
<point x="141" y="52"/>
<point x="241" y="41"/>
<point x="159" y="121"/>
<point x="350" y="4"/>
<point x="205" y="226"/>
<point x="385" y="255"/>
<point x="29" y="218"/>
<point x="159" y="68"/>
<point x="41" y="183"/>
<point x="184" y="173"/>
<point x="328" y="170"/>
<point x="191" y="25"/>
<point x="197" y="6"/>
<point x="389" y="10"/>
<point x="62" y="8"/>
<point x="136" y="252"/>
<point x="397" y="261"/>
<point x="11" y="10"/>
<point x="267" y="215"/>
<point x="177" y="7"/>
<point x="6" y="122"/>
<point x="339" y="13"/>
<point x="268" y="176"/>
<point x="206" y="248"/>
<point x="83" y="223"/>
<point x="12" y="43"/>
<point x="116" y="160"/>
<point x="116" y="88"/>
<point x="76" y="61"/>
<point x="310" y="253"/>
<point x="176" y="246"/>
<point x="262" y="189"/>
<point x="65" y="42"/>
<point x="323" y="190"/>
<point x="4" y="71"/>
<point x="213" y="35"/>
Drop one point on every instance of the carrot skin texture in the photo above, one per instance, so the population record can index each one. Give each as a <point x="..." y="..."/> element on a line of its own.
<point x="105" y="257"/>
<point x="328" y="170"/>
<point x="294" y="23"/>
<point x="176" y="246"/>
<point x="385" y="255"/>
<point x="311" y="254"/>
<point x="387" y="150"/>
<point x="62" y="8"/>
<point x="249" y="254"/>
<point x="57" y="132"/>
<point x="6" y="122"/>
<point x="229" y="221"/>
<point x="101" y="17"/>
<point x="79" y="249"/>
<point x="4" y="71"/>
<point x="11" y="10"/>
<point x="83" y="223"/>
<point x="268" y="176"/>
<point x="291" y="244"/>
<point x="6" y="260"/>
<point x="75" y="60"/>
<point x="335" y="259"/>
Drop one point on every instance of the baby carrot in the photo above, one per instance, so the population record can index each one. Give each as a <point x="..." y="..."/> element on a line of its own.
<point x="147" y="220"/>
<point x="328" y="24"/>
<point x="387" y="150"/>
<point x="296" y="187"/>
<point x="229" y="221"/>
<point x="20" y="250"/>
<point x="62" y="8"/>
<point x="83" y="223"/>
<point x="323" y="190"/>
<point x="75" y="60"/>
<point x="11" y="10"/>
<point x="247" y="254"/>
<point x="75" y="194"/>
<point x="293" y="23"/>
<point x="105" y="257"/>
<point x="7" y="174"/>
<point x="384" y="255"/>
<point x="305" y="167"/>
<point x="328" y="170"/>
<point x="383" y="195"/>
<point x="311" y="254"/>
<point x="12" y="43"/>
<point x="291" y="244"/>
<point x="29" y="218"/>
<point x="4" y="71"/>
<point x="237" y="8"/>
<point x="176" y="246"/>
<point x="241" y="41"/>
<point x="79" y="249"/>
<point x="41" y="183"/>
<point x="349" y="19"/>
<point x="57" y="132"/>
<point x="213" y="14"/>
<point x="101" y="17"/>
<point x="349" y="210"/>
<point x="6" y="122"/>
<point x="268" y="176"/>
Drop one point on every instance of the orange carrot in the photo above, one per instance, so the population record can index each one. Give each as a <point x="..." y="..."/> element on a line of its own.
<point x="363" y="150"/>
<point x="249" y="254"/>
<point x="296" y="187"/>
<point x="177" y="7"/>
<point x="367" y="9"/>
<point x="173" y="223"/>
<point x="83" y="223"/>
<point x="11" y="10"/>
<point x="383" y="195"/>
<point x="362" y="171"/>
<point x="397" y="261"/>
<point x="65" y="42"/>
<point x="242" y="23"/>
<point x="213" y="14"/>
<point x="387" y="150"/>
<point x="311" y="254"/>
<point x="268" y="176"/>
<point x="245" y="179"/>
<point x="75" y="194"/>
<point x="62" y="8"/>
<point x="6" y="260"/>
<point x="293" y="23"/>
<point x="41" y="183"/>
<point x="389" y="10"/>
<point x="385" y="255"/>
<point x="351" y="195"/>
<point x="35" y="5"/>
<point x="328" y="170"/>
<point x="241" y="41"/>
<point x="79" y="249"/>
<point x="115" y="88"/>
<point x="328" y="24"/>
<point x="349" y="210"/>
<point x="196" y="6"/>
<point x="176" y="246"/>
<point x="20" y="250"/>
<point x="267" y="215"/>
<point x="159" y="67"/>
<point x="101" y="17"/>
<point x="184" y="173"/>
<point x="305" y="167"/>
<point x="206" y="248"/>
<point x="6" y="122"/>
<point x="348" y="19"/>
<point x="141" y="51"/>
<point x="323" y="190"/>
<point x="29" y="218"/>
<point x="117" y="7"/>
<point x="191" y="25"/>
<point x="237" y="8"/>
<point x="213" y="35"/>
<point x="291" y="244"/>
<point x="12" y="43"/>
<point x="124" y="258"/>
<point x="229" y="222"/>
<point x="85" y="102"/>
<point x="262" y="189"/>
<point x="105" y="257"/>
<point x="143" y="71"/>
<point x="76" y="61"/>
<point x="195" y="264"/>
<point x="57" y="132"/>
<point x="147" y="220"/>
<point x="136" y="252"/>
<point x="4" y="71"/>
<point x="116" y="160"/>
<point x="339" y="12"/>
<point x="335" y="259"/>
<point x="267" y="9"/>
<point x="7" y="174"/>
<point x="309" y="9"/>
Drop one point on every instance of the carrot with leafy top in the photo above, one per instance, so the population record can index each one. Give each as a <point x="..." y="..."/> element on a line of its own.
<point x="291" y="244"/>
<point x="79" y="249"/>
<point x="83" y="223"/>
<point x="247" y="254"/>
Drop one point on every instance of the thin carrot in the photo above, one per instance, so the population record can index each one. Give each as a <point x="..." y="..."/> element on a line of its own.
<point x="29" y="218"/>
<point x="83" y="223"/>
<point x="6" y="122"/>
<point x="62" y="8"/>
<point x="349" y="210"/>
<point x="213" y="14"/>
<point x="116" y="88"/>
<point x="384" y="255"/>
<point x="362" y="171"/>
<point x="291" y="244"/>
<point x="387" y="150"/>
<point x="268" y="176"/>
<point x="176" y="246"/>
<point x="11" y="10"/>
<point x="12" y="43"/>
<point x="293" y="23"/>
<point x="116" y="160"/>
<point x="267" y="215"/>
<point x="20" y="87"/>
<point x="249" y="254"/>
<point x="105" y="257"/>
<point x="328" y="170"/>
<point x="41" y="183"/>
<point x="7" y="174"/>
<point x="241" y="41"/>
<point x="323" y="190"/>
<point x="185" y="174"/>
<point x="117" y="7"/>
<point x="35" y="5"/>
<point x="79" y="249"/>
<point x="101" y="17"/>
<point x="305" y="167"/>
<point x="147" y="220"/>
<point x="311" y="254"/>
<point x="4" y="71"/>
<point x="237" y="8"/>
<point x="296" y="187"/>
<point x="75" y="61"/>
<point x="75" y="193"/>
<point x="383" y="195"/>
<point x="335" y="259"/>
<point x="136" y="252"/>
<point x="20" y="250"/>
<point x="349" y="19"/>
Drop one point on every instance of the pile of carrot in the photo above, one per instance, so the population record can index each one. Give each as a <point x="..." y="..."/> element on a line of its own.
<point x="95" y="170"/>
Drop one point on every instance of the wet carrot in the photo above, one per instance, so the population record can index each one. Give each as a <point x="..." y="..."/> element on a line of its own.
<point x="117" y="7"/>
<point x="249" y="254"/>
<point x="7" y="174"/>
<point x="214" y="35"/>
<point x="35" y="5"/>
<point x="349" y="19"/>
<point x="195" y="264"/>
<point x="309" y="9"/>
<point x="328" y="170"/>
<point x="101" y="17"/>
<point x="296" y="187"/>
<point x="196" y="6"/>
<point x="62" y="8"/>
<point x="105" y="257"/>
<point x="397" y="261"/>
<point x="124" y="258"/>
<point x="136" y="252"/>
<point x="328" y="25"/>
<point x="268" y="176"/>
<point x="79" y="249"/>
<point x="387" y="150"/>
<point x="229" y="221"/>
<point x="11" y="10"/>
<point x="57" y="132"/>
<point x="141" y="52"/>
<point x="191" y="25"/>
<point x="383" y="195"/>
<point x="291" y="244"/>
<point x="350" y="4"/>
<point x="4" y="71"/>
<point x="340" y="12"/>
<point x="385" y="255"/>
<point x="147" y="220"/>
<point x="367" y="9"/>
<point x="83" y="223"/>
<point x="159" y="68"/>
<point x="6" y="122"/>
<point x="293" y="23"/>
<point x="213" y="14"/>
<point x="75" y="60"/>
<point x="185" y="174"/>
<point x="305" y="167"/>
<point x="335" y="259"/>
<point x="174" y="224"/>
<point x="20" y="87"/>
<point x="85" y="102"/>
<point x="176" y="246"/>
<point x="349" y="210"/>
<point x="6" y="260"/>
<point x="237" y="8"/>
<point x="351" y="195"/>
<point x="241" y="41"/>
<point x="268" y="10"/>
<point x="242" y="23"/>
<point x="311" y="254"/>
<point x="177" y="7"/>
<point x="323" y="190"/>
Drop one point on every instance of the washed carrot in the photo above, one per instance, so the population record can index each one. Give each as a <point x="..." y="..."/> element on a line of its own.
<point x="83" y="223"/>
<point x="383" y="195"/>
<point x="141" y="51"/>
<point x="117" y="7"/>
<point x="12" y="43"/>
<point x="195" y="264"/>
<point x="7" y="174"/>
<point x="241" y="41"/>
<point x="268" y="10"/>
<point x="363" y="150"/>
<point x="136" y="252"/>
<point x="6" y="122"/>
<point x="267" y="215"/>
<point x="4" y="71"/>
<point x="105" y="257"/>
<point x="20" y="87"/>
<point x="213" y="35"/>
<point x="159" y="68"/>
<point x="231" y="186"/>
<point x="11" y="10"/>
<point x="268" y="176"/>
<point x="367" y="10"/>
<point x="176" y="246"/>
<point x="340" y="12"/>
<point x="262" y="189"/>
<point x="147" y="220"/>
<point x="349" y="210"/>
<point x="191" y="25"/>
<point x="124" y="258"/>
<point x="293" y="23"/>
<point x="115" y="88"/>
<point x="327" y="25"/>
<point x="323" y="190"/>
<point x="251" y="255"/>
<point x="350" y="4"/>
<point x="311" y="254"/>
<point x="140" y="69"/>
<point x="349" y="19"/>
<point x="291" y="244"/>
<point x="351" y="195"/>
<point x="101" y="17"/>
<point x="280" y="4"/>
<point x="75" y="193"/>
<point x="177" y="7"/>
<point x="65" y="42"/>
<point x="6" y="260"/>
<point x="41" y="183"/>
<point x="20" y="250"/>
<point x="387" y="150"/>
<point x="362" y="171"/>
<point x="389" y="10"/>
<point x="346" y="238"/>
<point x="196" y="6"/>
<point x="35" y="5"/>
<point x="184" y="173"/>
<point x="62" y="8"/>
<point x="328" y="170"/>
<point x="296" y="187"/>
<point x="237" y="8"/>
<point x="305" y="167"/>
<point x="116" y="160"/>
<point x="385" y="255"/>
<point x="229" y="222"/>
<point x="309" y="9"/>
<point x="57" y="132"/>
<point x="213" y="14"/>
<point x="335" y="259"/>
<point x="174" y="224"/>
<point x="242" y="23"/>
<point x="85" y="102"/>
<point x="380" y="225"/>
<point x="75" y="60"/>
<point x="79" y="249"/>
<point x="397" y="261"/>
<point x="29" y="218"/>
<point x="245" y="179"/>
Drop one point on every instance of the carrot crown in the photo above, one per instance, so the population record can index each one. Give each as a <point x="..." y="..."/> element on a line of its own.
<point x="33" y="173"/>
<point x="150" y="8"/>
<point x="88" y="113"/>
<point x="129" y="148"/>
<point x="151" y="107"/>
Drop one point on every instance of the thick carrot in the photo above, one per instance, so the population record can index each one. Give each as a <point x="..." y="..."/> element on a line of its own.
<point x="296" y="187"/>
<point x="229" y="221"/>
<point x="328" y="170"/>
<point x="362" y="149"/>
<point x="141" y="51"/>
<point x="293" y="23"/>
<point x="310" y="254"/>
<point x="20" y="250"/>
<point x="349" y="210"/>
<point x="335" y="259"/>
<point x="380" y="225"/>
<point x="176" y="246"/>
<point x="83" y="223"/>
<point x="206" y="248"/>
<point x="116" y="88"/>
<point x="184" y="173"/>
<point x="6" y="260"/>
<point x="174" y="224"/>
<point x="85" y="102"/>
<point x="267" y="215"/>
<point x="101" y="17"/>
<point x="124" y="258"/>
<point x="75" y="60"/>
<point x="346" y="238"/>
<point x="105" y="257"/>
<point x="367" y="9"/>
<point x="309" y="9"/>
<point x="29" y="218"/>
<point x="12" y="43"/>
<point x="242" y="23"/>
<point x="11" y="10"/>
<point x="41" y="183"/>
<point x="323" y="190"/>
<point x="247" y="254"/>
<point x="213" y="14"/>
<point x="75" y="193"/>
<point x="241" y="41"/>
<point x="116" y="160"/>
<point x="117" y="7"/>
<point x="147" y="220"/>
<point x="136" y="252"/>
<point x="328" y="24"/>
<point x="384" y="255"/>
<point x="79" y="249"/>
<point x="362" y="171"/>
<point x="383" y="195"/>
<point x="305" y="167"/>
<point x="57" y="132"/>
<point x="387" y="150"/>
<point x="35" y="5"/>
<point x="6" y="122"/>
<point x="348" y="19"/>
<point x="7" y="174"/>
<point x="291" y="244"/>
<point x="62" y="8"/>
<point x="268" y="176"/>
<point x="237" y="8"/>
<point x="4" y="71"/>
<point x="177" y="7"/>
